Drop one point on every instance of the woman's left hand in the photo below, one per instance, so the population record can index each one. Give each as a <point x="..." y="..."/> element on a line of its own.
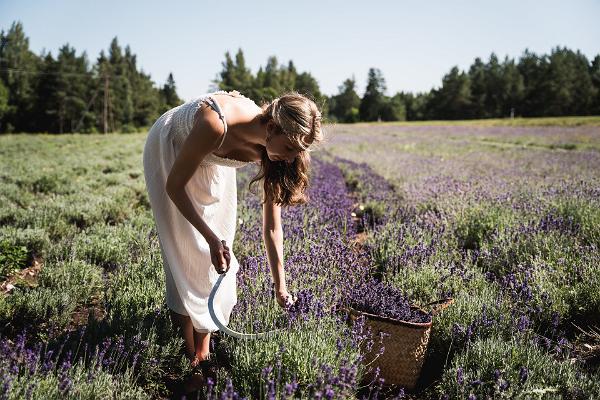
<point x="284" y="298"/>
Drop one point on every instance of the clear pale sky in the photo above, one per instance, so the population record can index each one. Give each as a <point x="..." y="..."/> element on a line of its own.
<point x="413" y="43"/>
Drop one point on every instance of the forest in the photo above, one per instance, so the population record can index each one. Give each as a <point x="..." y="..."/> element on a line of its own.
<point x="67" y="92"/>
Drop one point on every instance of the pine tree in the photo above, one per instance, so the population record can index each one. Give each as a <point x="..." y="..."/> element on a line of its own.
<point x="393" y="108"/>
<point x="288" y="76"/>
<point x="477" y="76"/>
<point x="453" y="99"/>
<point x="373" y="100"/>
<point x="170" y="92"/>
<point x="120" y="90"/>
<point x="308" y="85"/>
<point x="75" y="79"/>
<point x="65" y="94"/>
<point x="235" y="75"/>
<point x="3" y="103"/>
<point x="19" y="69"/>
<point x="533" y="70"/>
<point x="271" y="87"/>
<point x="48" y="92"/>
<point x="242" y="73"/>
<point x="595" y="77"/>
<point x="169" y="96"/>
<point x="513" y="88"/>
<point x="344" y="106"/>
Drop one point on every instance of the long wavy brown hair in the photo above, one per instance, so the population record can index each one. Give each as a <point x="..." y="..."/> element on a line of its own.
<point x="298" y="117"/>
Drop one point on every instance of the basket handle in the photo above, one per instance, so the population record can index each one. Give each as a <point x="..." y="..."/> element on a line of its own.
<point x="439" y="305"/>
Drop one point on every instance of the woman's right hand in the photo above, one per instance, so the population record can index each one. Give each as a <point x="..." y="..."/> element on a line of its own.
<point x="219" y="255"/>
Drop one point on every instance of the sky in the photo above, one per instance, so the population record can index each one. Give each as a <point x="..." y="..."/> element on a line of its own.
<point x="413" y="43"/>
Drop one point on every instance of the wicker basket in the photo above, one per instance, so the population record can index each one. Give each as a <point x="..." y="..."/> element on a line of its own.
<point x="404" y="349"/>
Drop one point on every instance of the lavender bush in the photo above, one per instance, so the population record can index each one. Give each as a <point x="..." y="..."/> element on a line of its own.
<point x="503" y="219"/>
<point x="385" y="300"/>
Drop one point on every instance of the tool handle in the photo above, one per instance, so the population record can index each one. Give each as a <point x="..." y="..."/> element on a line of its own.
<point x="227" y="259"/>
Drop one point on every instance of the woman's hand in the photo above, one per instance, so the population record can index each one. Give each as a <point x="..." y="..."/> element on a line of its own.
<point x="284" y="298"/>
<point x="219" y="255"/>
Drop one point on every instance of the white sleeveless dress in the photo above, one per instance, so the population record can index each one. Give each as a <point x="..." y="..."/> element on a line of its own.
<point x="212" y="189"/>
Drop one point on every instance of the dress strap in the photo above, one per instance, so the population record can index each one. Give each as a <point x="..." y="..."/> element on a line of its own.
<point x="215" y="106"/>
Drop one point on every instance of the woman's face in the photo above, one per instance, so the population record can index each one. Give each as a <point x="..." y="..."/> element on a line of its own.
<point x="280" y="148"/>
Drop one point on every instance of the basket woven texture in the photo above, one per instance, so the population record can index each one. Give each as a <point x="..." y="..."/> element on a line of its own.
<point x="405" y="347"/>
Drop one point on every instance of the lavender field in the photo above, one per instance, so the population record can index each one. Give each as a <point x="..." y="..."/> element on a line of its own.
<point x="505" y="220"/>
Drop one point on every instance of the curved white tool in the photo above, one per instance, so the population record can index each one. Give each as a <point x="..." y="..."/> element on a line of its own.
<point x="225" y="329"/>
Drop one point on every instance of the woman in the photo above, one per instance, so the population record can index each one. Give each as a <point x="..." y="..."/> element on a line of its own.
<point x="190" y="160"/>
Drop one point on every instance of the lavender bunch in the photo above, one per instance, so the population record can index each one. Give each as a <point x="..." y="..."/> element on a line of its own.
<point x="384" y="300"/>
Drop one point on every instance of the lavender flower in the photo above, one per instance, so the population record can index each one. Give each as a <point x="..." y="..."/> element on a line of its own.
<point x="459" y="376"/>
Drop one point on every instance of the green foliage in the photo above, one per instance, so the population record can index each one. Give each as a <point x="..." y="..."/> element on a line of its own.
<point x="36" y="240"/>
<point x="18" y="246"/>
<point x="476" y="223"/>
<point x="169" y="94"/>
<point x="580" y="300"/>
<point x="595" y="77"/>
<point x="374" y="211"/>
<point x="373" y="101"/>
<point x="85" y="382"/>
<point x="585" y="215"/>
<point x="315" y="339"/>
<point x="138" y="287"/>
<point x="235" y="75"/>
<point x="344" y="106"/>
<point x="508" y="249"/>
<point x="65" y="94"/>
<point x="12" y="258"/>
<point x="472" y="299"/>
<point x="453" y="99"/>
<point x="71" y="93"/>
<point x="3" y="102"/>
<point x="561" y="83"/>
<point x="14" y="53"/>
<point x="269" y="82"/>
<point x="62" y="286"/>
<point x="551" y="259"/>
<point x="524" y="371"/>
<point x="394" y="109"/>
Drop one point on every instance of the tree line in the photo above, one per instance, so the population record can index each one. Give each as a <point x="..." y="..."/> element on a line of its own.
<point x="562" y="83"/>
<point x="65" y="93"/>
<point x="43" y="93"/>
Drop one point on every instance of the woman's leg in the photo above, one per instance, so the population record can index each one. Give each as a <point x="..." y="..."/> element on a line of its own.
<point x="187" y="329"/>
<point x="197" y="344"/>
<point x="202" y="342"/>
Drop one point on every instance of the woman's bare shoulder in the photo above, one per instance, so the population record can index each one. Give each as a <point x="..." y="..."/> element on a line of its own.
<point x="207" y="117"/>
<point x="237" y="109"/>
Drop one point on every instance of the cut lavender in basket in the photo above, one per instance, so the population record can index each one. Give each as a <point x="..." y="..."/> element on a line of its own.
<point x="384" y="300"/>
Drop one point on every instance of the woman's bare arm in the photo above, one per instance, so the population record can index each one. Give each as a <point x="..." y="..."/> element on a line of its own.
<point x="206" y="133"/>
<point x="273" y="240"/>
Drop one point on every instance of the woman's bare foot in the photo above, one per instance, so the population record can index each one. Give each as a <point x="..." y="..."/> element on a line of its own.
<point x="202" y="356"/>
<point x="198" y="358"/>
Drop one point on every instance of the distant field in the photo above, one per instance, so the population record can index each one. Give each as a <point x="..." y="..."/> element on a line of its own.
<point x="504" y="219"/>
<point x="407" y="152"/>
<point x="541" y="121"/>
